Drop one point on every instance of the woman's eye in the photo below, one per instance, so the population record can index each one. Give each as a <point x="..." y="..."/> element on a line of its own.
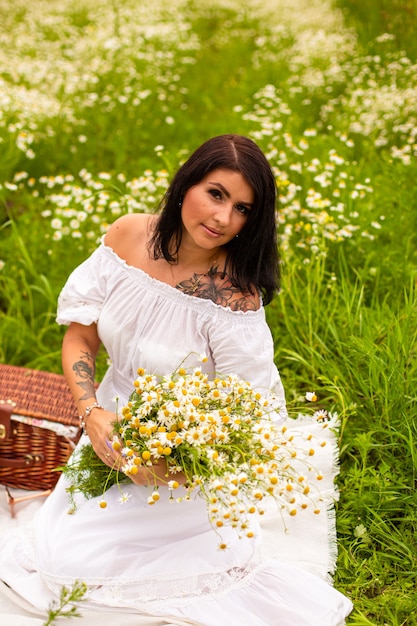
<point x="242" y="209"/>
<point x="215" y="193"/>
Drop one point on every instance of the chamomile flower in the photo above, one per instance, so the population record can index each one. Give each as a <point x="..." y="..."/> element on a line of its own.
<point x="321" y="415"/>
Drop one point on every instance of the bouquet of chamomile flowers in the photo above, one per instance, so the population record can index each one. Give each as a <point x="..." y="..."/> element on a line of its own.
<point x="219" y="433"/>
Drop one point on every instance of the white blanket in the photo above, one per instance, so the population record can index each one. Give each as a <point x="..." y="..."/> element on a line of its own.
<point x="306" y="540"/>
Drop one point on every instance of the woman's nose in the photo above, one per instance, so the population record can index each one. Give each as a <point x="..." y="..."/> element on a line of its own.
<point x="223" y="214"/>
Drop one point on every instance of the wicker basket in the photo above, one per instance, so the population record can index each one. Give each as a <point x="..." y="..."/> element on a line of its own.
<point x="39" y="427"/>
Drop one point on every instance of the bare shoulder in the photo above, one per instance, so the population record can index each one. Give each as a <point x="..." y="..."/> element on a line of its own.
<point x="132" y="224"/>
<point x="246" y="302"/>
<point x="129" y="231"/>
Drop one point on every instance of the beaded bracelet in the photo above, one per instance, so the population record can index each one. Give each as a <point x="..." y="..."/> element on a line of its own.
<point x="86" y="413"/>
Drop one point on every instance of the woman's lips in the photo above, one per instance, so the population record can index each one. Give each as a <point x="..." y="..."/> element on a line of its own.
<point x="212" y="231"/>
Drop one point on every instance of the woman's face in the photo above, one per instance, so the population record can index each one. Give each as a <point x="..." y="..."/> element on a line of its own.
<point x="216" y="209"/>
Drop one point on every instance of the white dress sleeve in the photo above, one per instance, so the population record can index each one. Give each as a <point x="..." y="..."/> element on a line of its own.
<point x="244" y="346"/>
<point x="82" y="296"/>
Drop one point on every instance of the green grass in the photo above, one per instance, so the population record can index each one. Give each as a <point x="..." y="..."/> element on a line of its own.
<point x="362" y="358"/>
<point x="102" y="101"/>
<point x="374" y="18"/>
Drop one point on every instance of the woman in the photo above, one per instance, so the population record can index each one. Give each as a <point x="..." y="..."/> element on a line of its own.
<point x="190" y="280"/>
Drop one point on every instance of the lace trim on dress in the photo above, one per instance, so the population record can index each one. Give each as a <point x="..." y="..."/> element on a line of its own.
<point x="178" y="295"/>
<point x="154" y="594"/>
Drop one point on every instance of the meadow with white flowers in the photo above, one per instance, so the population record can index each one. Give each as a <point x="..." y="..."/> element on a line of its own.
<point x="100" y="101"/>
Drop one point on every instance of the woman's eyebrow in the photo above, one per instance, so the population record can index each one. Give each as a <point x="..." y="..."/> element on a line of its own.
<point x="226" y="193"/>
<point x="224" y="190"/>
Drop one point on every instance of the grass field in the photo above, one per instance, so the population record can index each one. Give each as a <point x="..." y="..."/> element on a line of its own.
<point x="99" y="103"/>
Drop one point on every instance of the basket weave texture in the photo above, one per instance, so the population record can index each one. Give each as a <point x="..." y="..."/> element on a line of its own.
<point x="43" y="396"/>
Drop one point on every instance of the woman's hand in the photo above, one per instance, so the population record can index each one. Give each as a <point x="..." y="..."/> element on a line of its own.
<point x="157" y="474"/>
<point x="100" y="430"/>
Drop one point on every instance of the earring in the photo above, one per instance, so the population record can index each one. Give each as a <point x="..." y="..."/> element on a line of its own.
<point x="236" y="236"/>
<point x="179" y="204"/>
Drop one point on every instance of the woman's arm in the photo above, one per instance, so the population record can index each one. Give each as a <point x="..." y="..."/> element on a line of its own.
<point x="79" y="351"/>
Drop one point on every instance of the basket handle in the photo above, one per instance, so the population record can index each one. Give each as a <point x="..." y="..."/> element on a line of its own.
<point x="6" y="409"/>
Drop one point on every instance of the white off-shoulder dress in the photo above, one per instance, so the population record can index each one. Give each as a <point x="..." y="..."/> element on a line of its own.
<point x="161" y="560"/>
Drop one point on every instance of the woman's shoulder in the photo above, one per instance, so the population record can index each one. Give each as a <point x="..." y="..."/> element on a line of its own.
<point x="130" y="233"/>
<point x="130" y="225"/>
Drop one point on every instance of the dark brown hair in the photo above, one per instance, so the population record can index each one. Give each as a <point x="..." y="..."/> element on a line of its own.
<point x="252" y="258"/>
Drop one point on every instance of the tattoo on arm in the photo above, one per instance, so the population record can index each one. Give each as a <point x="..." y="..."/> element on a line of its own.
<point x="85" y="371"/>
